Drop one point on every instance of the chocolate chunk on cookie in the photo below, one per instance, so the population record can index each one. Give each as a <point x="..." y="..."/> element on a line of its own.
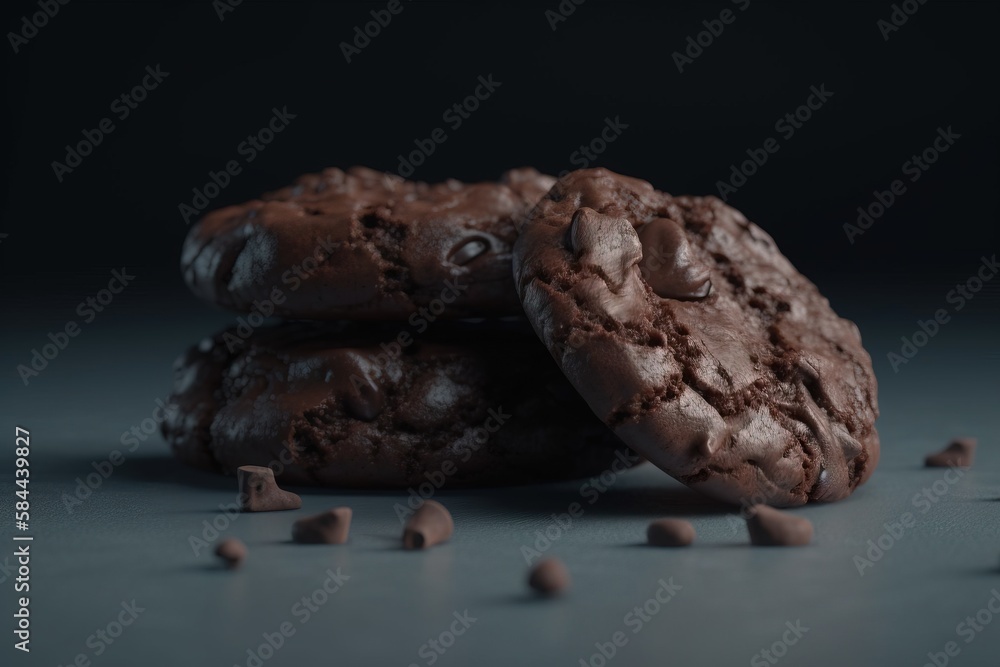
<point x="362" y="405"/>
<point x="362" y="244"/>
<point x="697" y="341"/>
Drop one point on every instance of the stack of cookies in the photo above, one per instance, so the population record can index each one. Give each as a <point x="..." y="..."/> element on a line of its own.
<point x="518" y="331"/>
<point x="378" y="376"/>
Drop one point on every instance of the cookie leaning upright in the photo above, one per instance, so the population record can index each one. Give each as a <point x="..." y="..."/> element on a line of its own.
<point x="362" y="244"/>
<point x="690" y="334"/>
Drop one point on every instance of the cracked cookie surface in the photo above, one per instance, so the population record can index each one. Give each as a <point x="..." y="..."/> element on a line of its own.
<point x="462" y="405"/>
<point x="692" y="337"/>
<point x="362" y="244"/>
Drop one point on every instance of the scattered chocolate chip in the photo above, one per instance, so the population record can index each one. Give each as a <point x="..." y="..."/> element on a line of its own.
<point x="670" y="533"/>
<point x="232" y="552"/>
<point x="259" y="491"/>
<point x="431" y="524"/>
<point x="549" y="577"/>
<point x="959" y="453"/>
<point x="329" y="527"/>
<point x="773" y="528"/>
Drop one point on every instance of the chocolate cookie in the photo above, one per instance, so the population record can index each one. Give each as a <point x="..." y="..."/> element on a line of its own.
<point x="364" y="405"/>
<point x="365" y="245"/>
<point x="696" y="340"/>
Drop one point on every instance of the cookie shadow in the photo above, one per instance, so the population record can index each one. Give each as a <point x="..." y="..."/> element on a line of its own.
<point x="644" y="501"/>
<point x="531" y="598"/>
<point x="647" y="498"/>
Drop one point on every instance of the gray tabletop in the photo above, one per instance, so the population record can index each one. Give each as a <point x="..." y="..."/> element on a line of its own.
<point x="902" y="573"/>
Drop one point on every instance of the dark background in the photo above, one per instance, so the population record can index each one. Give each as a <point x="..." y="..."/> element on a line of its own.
<point x="120" y="207"/>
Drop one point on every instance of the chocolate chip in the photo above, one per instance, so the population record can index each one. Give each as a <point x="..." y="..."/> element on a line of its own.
<point x="959" y="453"/>
<point x="260" y="493"/>
<point x="329" y="527"/>
<point x="431" y="524"/>
<point x="468" y="250"/>
<point x="851" y="447"/>
<point x="605" y="242"/>
<point x="365" y="400"/>
<point x="670" y="533"/>
<point x="773" y="528"/>
<point x="668" y="263"/>
<point x="549" y="577"/>
<point x="232" y="552"/>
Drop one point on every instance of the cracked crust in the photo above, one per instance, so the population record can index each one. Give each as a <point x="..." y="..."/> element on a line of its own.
<point x="336" y="409"/>
<point x="697" y="342"/>
<point x="362" y="244"/>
